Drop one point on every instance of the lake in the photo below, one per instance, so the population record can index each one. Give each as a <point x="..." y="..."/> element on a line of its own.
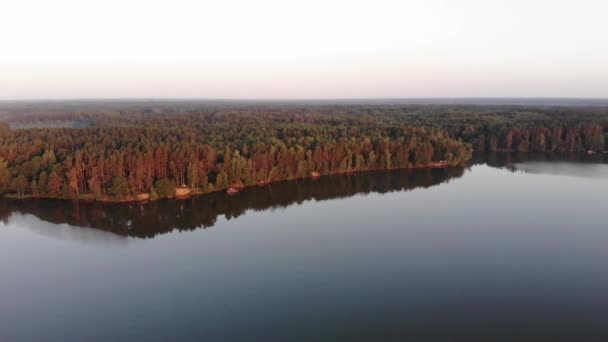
<point x="511" y="247"/>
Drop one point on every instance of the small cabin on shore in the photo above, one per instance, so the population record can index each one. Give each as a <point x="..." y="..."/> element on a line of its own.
<point x="232" y="191"/>
<point x="315" y="174"/>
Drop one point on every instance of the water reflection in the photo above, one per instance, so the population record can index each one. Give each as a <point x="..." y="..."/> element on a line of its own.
<point x="64" y="231"/>
<point x="515" y="161"/>
<point x="146" y="220"/>
<point x="558" y="164"/>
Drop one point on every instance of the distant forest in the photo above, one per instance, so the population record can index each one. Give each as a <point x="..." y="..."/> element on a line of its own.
<point x="138" y="150"/>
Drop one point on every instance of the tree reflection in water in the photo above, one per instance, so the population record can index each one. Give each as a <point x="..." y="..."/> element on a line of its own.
<point x="146" y="220"/>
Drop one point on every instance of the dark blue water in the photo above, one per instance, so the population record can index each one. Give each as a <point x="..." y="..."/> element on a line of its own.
<point x="509" y="248"/>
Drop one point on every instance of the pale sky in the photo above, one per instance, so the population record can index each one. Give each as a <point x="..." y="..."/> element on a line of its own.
<point x="305" y="49"/>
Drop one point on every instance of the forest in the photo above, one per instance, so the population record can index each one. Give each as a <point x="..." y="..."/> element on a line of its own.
<point x="138" y="150"/>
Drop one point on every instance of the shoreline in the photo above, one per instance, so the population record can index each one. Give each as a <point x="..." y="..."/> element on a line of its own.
<point x="187" y="192"/>
<point x="145" y="197"/>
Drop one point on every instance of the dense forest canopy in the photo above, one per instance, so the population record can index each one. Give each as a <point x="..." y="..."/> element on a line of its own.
<point x="135" y="149"/>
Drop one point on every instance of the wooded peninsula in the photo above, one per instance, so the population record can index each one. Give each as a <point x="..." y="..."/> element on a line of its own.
<point x="139" y="150"/>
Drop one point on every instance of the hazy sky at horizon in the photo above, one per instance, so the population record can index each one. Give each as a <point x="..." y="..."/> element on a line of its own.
<point x="307" y="49"/>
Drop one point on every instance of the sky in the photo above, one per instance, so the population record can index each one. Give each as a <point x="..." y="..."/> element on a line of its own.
<point x="273" y="49"/>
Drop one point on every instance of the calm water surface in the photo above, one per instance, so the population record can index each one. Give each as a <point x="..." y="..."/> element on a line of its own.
<point x="512" y="247"/>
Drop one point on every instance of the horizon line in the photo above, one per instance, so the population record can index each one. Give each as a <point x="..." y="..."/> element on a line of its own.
<point x="270" y="99"/>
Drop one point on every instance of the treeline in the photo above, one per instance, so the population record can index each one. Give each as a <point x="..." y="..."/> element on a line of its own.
<point x="552" y="138"/>
<point x="520" y="129"/>
<point x="159" y="217"/>
<point x="123" y="157"/>
<point x="119" y="151"/>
